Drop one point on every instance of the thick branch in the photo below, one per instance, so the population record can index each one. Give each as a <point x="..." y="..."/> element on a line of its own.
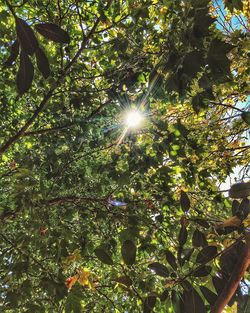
<point x="233" y="283"/>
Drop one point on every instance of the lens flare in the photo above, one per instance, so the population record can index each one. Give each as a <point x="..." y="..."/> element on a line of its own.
<point x="133" y="119"/>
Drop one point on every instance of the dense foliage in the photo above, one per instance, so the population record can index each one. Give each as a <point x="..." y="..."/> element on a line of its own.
<point x="99" y="217"/>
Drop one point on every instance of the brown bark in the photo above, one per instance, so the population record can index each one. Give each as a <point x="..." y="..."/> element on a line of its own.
<point x="236" y="276"/>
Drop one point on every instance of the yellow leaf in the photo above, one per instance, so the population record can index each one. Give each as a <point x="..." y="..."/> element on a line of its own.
<point x="83" y="275"/>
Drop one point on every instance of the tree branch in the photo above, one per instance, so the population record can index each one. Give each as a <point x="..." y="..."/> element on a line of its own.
<point x="237" y="274"/>
<point x="59" y="128"/>
<point x="75" y="199"/>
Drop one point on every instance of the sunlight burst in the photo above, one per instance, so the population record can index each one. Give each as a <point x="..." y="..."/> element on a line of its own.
<point x="133" y="119"/>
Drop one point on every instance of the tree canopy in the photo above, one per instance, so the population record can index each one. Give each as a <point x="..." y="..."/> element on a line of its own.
<point x="97" y="215"/>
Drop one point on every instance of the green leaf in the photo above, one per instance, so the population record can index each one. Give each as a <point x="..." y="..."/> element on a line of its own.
<point x="200" y="3"/>
<point x="53" y="32"/>
<point x="103" y="256"/>
<point x="149" y="303"/>
<point x="32" y="307"/>
<point x="159" y="269"/>
<point x="171" y="259"/>
<point x="177" y="302"/>
<point x="206" y="254"/>
<point x="73" y="302"/>
<point x="185" y="255"/>
<point x="246" y="117"/>
<point x="199" y="239"/>
<point x="185" y="202"/>
<point x="13" y="53"/>
<point x="128" y="252"/>
<point x="164" y="295"/>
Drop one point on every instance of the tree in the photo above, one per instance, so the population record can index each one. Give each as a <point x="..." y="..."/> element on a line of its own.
<point x="97" y="216"/>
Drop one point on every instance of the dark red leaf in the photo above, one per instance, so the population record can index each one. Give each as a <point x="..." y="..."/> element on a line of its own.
<point x="240" y="190"/>
<point x="53" y="32"/>
<point x="25" y="74"/>
<point x="210" y="296"/>
<point x="219" y="284"/>
<point x="193" y="303"/>
<point x="244" y="208"/>
<point x="199" y="239"/>
<point x="149" y="303"/>
<point x="14" y="51"/>
<point x="206" y="254"/>
<point x="159" y="269"/>
<point x="103" y="256"/>
<point x="235" y="207"/>
<point x="129" y="252"/>
<point x="42" y="63"/>
<point x="201" y="222"/>
<point x="171" y="259"/>
<point x="26" y="36"/>
<point x="124" y="280"/>
<point x="182" y="238"/>
<point x="187" y="253"/>
<point x="185" y="202"/>
<point x="202" y="271"/>
<point x="164" y="295"/>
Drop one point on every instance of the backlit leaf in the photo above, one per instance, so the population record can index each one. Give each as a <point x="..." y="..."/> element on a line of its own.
<point x="193" y="303"/>
<point x="206" y="254"/>
<point x="210" y="296"/>
<point x="202" y="271"/>
<point x="42" y="63"/>
<point x="128" y="252"/>
<point x="159" y="269"/>
<point x="103" y="256"/>
<point x="182" y="238"/>
<point x="185" y="202"/>
<point x="171" y="259"/>
<point x="53" y="32"/>
<point x="219" y="284"/>
<point x="26" y="36"/>
<point x="149" y="303"/>
<point x="25" y="74"/>
<point x="199" y="239"/>
<point x="246" y="117"/>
